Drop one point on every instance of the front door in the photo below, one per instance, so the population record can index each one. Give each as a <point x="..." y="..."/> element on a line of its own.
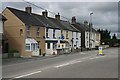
<point x="35" y="50"/>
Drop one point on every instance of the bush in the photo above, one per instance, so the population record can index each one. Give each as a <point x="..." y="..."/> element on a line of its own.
<point x="13" y="51"/>
<point x="44" y="54"/>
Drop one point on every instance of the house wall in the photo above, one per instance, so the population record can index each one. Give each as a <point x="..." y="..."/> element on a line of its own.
<point x="50" y="35"/>
<point x="58" y="33"/>
<point x="40" y="39"/>
<point x="97" y="43"/>
<point x="86" y="39"/>
<point x="79" y="40"/>
<point x="70" y="38"/>
<point x="12" y="32"/>
<point x="64" y="33"/>
<point x="93" y="39"/>
<point x="74" y="40"/>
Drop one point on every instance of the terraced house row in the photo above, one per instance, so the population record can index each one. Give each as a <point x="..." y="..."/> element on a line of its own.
<point x="33" y="34"/>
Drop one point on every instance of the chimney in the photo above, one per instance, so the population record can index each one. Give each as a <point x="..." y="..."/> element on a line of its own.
<point x="57" y="16"/>
<point x="73" y="20"/>
<point x="45" y="13"/>
<point x="28" y="9"/>
<point x="85" y="22"/>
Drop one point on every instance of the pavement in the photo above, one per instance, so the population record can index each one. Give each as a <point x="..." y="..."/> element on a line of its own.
<point x="81" y="65"/>
<point x="9" y="61"/>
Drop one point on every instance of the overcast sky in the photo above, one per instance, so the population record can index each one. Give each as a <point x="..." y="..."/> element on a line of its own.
<point x="105" y="13"/>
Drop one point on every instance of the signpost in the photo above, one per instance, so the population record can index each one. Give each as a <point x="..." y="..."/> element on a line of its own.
<point x="101" y="51"/>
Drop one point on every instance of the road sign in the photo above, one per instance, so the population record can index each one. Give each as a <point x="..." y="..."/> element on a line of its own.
<point x="100" y="51"/>
<point x="62" y="37"/>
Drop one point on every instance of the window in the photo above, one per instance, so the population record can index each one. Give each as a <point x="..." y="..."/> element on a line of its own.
<point x="28" y="31"/>
<point x="66" y="34"/>
<point x="27" y="47"/>
<point x="87" y="36"/>
<point x="21" y="32"/>
<point x="54" y="45"/>
<point x="46" y="32"/>
<point x="61" y="32"/>
<point x="38" y="31"/>
<point x="48" y="45"/>
<point x="33" y="47"/>
<point x="53" y="33"/>
<point x="38" y="44"/>
<point x="87" y="43"/>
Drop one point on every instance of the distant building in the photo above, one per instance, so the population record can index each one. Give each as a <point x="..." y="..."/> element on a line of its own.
<point x="86" y="41"/>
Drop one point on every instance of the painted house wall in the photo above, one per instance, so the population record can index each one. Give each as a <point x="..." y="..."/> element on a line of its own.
<point x="97" y="43"/>
<point x="86" y="39"/>
<point x="74" y="40"/>
<point x="64" y="33"/>
<point x="93" y="37"/>
<point x="51" y="38"/>
<point x="79" y="40"/>
<point x="70" y="38"/>
<point x="12" y="32"/>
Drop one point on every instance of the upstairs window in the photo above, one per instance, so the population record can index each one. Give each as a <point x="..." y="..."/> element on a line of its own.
<point x="38" y="31"/>
<point x="46" y="32"/>
<point x="53" y="33"/>
<point x="28" y="31"/>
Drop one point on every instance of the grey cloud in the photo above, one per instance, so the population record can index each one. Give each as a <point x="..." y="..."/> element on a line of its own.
<point x="105" y="13"/>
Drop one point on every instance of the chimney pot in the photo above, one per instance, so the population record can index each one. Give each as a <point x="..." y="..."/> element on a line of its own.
<point x="28" y="9"/>
<point x="73" y="20"/>
<point x="45" y="13"/>
<point x="85" y="22"/>
<point x="57" y="16"/>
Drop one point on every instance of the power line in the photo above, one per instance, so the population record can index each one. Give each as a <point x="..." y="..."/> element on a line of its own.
<point x="45" y="9"/>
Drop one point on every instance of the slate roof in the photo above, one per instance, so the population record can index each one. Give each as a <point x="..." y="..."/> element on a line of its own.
<point x="64" y="25"/>
<point x="25" y="17"/>
<point x="39" y="20"/>
<point x="69" y="26"/>
<point x="46" y="21"/>
<point x="81" y="27"/>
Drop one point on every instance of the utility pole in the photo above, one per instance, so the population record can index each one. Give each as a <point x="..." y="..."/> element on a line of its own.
<point x="90" y="30"/>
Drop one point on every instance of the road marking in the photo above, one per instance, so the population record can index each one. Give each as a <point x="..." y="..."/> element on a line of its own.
<point x="66" y="64"/>
<point x="28" y="74"/>
<point x="82" y="53"/>
<point x="92" y="58"/>
<point x="96" y="57"/>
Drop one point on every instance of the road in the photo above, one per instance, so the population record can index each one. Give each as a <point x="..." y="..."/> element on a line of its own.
<point x="77" y="65"/>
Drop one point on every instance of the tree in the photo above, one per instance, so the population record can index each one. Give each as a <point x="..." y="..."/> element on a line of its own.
<point x="105" y="36"/>
<point x="114" y="37"/>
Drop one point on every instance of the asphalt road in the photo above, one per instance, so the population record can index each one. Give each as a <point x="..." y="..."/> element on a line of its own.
<point x="78" y="65"/>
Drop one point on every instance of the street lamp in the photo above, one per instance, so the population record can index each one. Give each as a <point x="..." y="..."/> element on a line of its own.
<point x="90" y="30"/>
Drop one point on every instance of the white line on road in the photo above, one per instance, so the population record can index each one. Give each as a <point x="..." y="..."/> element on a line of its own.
<point x="96" y="57"/>
<point x="82" y="53"/>
<point x="66" y="64"/>
<point x="28" y="74"/>
<point x="76" y="61"/>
